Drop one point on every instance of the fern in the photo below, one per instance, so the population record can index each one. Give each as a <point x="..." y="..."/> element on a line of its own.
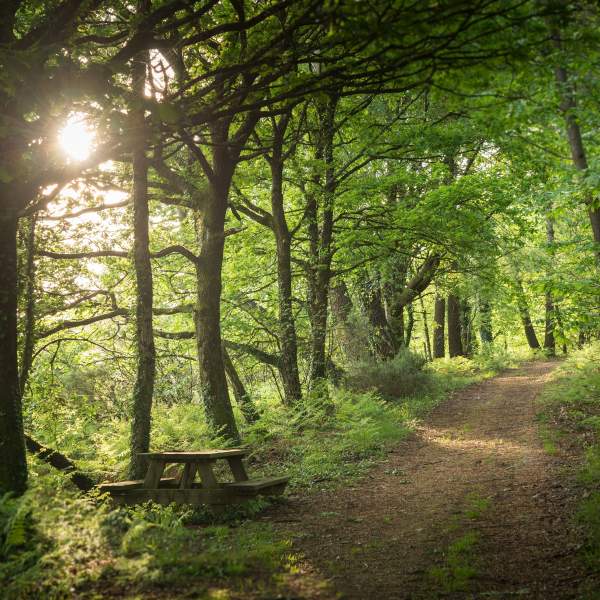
<point x="15" y="524"/>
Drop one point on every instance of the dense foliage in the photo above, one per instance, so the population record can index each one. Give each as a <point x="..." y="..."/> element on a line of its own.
<point x="306" y="207"/>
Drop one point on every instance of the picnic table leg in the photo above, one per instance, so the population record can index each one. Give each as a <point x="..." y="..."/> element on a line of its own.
<point x="237" y="468"/>
<point x="187" y="477"/>
<point x="155" y="471"/>
<point x="206" y="474"/>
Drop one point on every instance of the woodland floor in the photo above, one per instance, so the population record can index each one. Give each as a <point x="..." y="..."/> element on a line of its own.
<point x="470" y="506"/>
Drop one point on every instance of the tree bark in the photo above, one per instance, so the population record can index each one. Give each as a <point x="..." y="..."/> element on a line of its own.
<point x="466" y="328"/>
<point x="568" y="107"/>
<point x="287" y="327"/>
<point x="455" y="347"/>
<point x="410" y="325"/>
<point x="28" y="332"/>
<point x="13" y="464"/>
<point x="210" y="236"/>
<point x="549" y="305"/>
<point x="439" y="314"/>
<point x="532" y="340"/>
<point x="59" y="461"/>
<point x="486" y="334"/>
<point x="320" y="240"/>
<point x="143" y="388"/>
<point x="427" y="340"/>
<point x="382" y="339"/>
<point x="346" y="334"/>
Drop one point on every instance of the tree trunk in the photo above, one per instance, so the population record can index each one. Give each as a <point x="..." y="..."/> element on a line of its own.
<point x="320" y="239"/>
<point x="455" y="347"/>
<point x="28" y="332"/>
<point x="59" y="461"/>
<point x="240" y="393"/>
<point x="210" y="228"/>
<point x="568" y="107"/>
<point x="550" y="320"/>
<point x="287" y="327"/>
<point x="13" y="464"/>
<point x="485" y="322"/>
<point x="427" y="340"/>
<point x="526" y="318"/>
<point x="143" y="388"/>
<point x="466" y="328"/>
<point x="439" y="314"/>
<point x="382" y="340"/>
<point x="349" y="339"/>
<point x="410" y="325"/>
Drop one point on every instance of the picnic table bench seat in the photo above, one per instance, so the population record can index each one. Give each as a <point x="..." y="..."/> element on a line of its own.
<point x="184" y="490"/>
<point x="133" y="484"/>
<point x="266" y="486"/>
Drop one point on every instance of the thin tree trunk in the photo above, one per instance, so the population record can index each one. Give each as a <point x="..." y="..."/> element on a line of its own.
<point x="410" y="325"/>
<point x="578" y="154"/>
<point x="287" y="327"/>
<point x="143" y="388"/>
<point x="532" y="340"/>
<point x="426" y="330"/>
<point x="550" y="308"/>
<point x="29" y="313"/>
<point x="240" y="393"/>
<point x="13" y="464"/>
<point x="454" y="331"/>
<point x="485" y="322"/>
<point x="466" y="328"/>
<point x="439" y="319"/>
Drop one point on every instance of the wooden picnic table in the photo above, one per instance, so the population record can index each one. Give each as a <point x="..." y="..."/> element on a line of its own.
<point x="183" y="489"/>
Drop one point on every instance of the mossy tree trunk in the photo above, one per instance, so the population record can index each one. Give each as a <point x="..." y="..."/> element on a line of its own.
<point x="143" y="388"/>
<point x="287" y="327"/>
<point x="13" y="464"/>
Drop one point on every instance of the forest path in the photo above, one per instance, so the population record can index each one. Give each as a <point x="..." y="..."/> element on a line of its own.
<point x="470" y="506"/>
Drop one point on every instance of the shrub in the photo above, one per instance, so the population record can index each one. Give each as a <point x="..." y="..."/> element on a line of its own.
<point x="400" y="377"/>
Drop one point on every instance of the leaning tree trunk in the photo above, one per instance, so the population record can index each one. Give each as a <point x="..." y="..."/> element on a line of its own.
<point x="455" y="347"/>
<point x="240" y="393"/>
<point x="143" y="388"/>
<point x="210" y="227"/>
<point x="528" y="328"/>
<point x="287" y="327"/>
<point x="439" y="318"/>
<point x="13" y="464"/>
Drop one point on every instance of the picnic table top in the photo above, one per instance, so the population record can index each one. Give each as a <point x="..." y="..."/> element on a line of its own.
<point x="175" y="456"/>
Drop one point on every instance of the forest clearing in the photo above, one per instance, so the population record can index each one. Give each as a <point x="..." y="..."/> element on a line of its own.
<point x="299" y="299"/>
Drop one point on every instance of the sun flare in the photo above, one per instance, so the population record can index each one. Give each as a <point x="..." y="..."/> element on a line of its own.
<point x="76" y="138"/>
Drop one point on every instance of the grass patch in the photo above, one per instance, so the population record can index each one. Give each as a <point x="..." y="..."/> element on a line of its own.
<point x="571" y="416"/>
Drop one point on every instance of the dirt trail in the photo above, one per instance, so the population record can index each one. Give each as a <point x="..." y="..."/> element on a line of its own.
<point x="476" y="465"/>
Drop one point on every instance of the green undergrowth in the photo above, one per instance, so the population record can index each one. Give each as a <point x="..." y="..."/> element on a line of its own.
<point x="57" y="544"/>
<point x="570" y="418"/>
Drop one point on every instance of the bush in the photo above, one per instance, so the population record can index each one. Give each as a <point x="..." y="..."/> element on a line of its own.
<point x="401" y="377"/>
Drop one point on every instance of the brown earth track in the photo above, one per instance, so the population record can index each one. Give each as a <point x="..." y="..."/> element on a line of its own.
<point x="381" y="537"/>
